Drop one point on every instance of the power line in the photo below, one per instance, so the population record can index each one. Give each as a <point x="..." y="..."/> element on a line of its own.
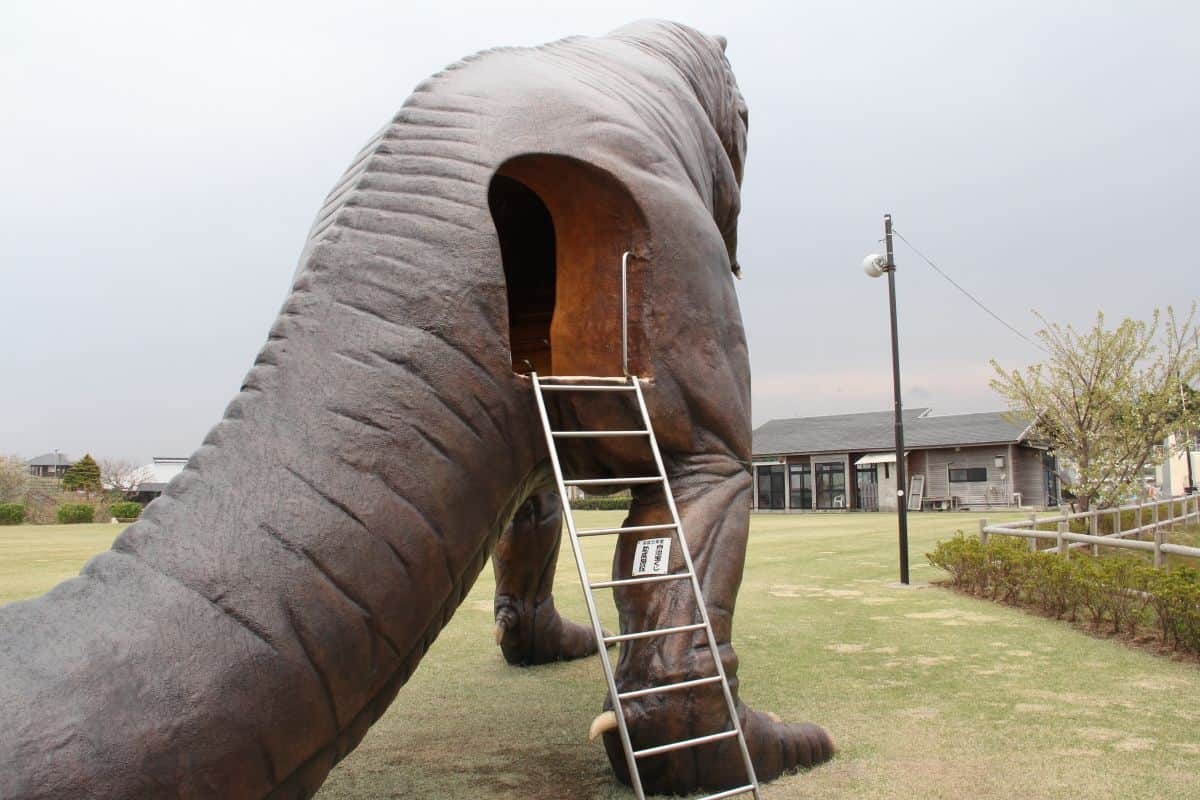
<point x="972" y="297"/>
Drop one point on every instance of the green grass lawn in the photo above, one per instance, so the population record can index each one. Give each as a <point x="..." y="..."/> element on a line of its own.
<point x="929" y="694"/>
<point x="35" y="557"/>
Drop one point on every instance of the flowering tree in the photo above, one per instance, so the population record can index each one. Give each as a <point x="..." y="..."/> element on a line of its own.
<point x="1105" y="398"/>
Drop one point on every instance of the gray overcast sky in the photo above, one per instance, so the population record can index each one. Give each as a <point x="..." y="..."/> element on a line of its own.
<point x="160" y="164"/>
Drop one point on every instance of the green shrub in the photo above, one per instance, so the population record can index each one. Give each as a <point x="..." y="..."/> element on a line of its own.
<point x="12" y="513"/>
<point x="1121" y="577"/>
<point x="1119" y="590"/>
<point x="1011" y="568"/>
<point x="1175" y="600"/>
<point x="126" y="510"/>
<point x="74" y="513"/>
<point x="963" y="558"/>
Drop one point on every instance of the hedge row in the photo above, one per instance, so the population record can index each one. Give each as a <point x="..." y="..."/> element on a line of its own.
<point x="126" y="510"/>
<point x="1119" y="591"/>
<point x="72" y="513"/>
<point x="12" y="513"/>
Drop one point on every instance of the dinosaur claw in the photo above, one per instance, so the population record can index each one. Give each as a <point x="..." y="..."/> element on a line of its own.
<point x="602" y="724"/>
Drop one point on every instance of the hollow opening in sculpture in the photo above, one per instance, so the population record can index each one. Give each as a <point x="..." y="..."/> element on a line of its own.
<point x="563" y="226"/>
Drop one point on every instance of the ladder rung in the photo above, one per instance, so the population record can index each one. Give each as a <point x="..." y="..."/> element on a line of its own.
<point x="674" y="576"/>
<point x="631" y="529"/>
<point x="669" y="687"/>
<point x="699" y="740"/>
<point x="579" y="387"/>
<point x="612" y="481"/>
<point x="596" y="434"/>
<point x="625" y="637"/>
<point x="609" y="379"/>
<point x="749" y="787"/>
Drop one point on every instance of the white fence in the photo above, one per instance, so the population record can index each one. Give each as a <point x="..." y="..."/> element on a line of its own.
<point x="1152" y="518"/>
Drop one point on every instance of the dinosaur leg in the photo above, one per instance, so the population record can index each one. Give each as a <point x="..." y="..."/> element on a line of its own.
<point x="529" y="629"/>
<point x="713" y="498"/>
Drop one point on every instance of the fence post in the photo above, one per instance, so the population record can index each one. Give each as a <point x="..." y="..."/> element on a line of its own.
<point x="983" y="534"/>
<point x="1094" y="529"/>
<point x="1033" y="542"/>
<point x="1062" y="543"/>
<point x="1170" y="515"/>
<point x="1158" y="538"/>
<point x="1139" y="519"/>
<point x="1116" y="526"/>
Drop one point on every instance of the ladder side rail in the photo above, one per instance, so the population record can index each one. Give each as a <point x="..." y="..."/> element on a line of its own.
<point x="625" y="314"/>
<point x="606" y="665"/>
<point x="699" y="594"/>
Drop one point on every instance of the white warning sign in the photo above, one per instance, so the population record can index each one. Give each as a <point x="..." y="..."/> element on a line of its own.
<point x="652" y="557"/>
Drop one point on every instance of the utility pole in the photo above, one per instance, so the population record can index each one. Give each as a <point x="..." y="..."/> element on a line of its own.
<point x="875" y="265"/>
<point x="901" y="472"/>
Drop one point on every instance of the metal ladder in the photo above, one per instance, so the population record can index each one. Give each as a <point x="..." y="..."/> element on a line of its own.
<point x="632" y="385"/>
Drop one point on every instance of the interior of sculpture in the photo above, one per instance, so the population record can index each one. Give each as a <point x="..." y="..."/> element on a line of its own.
<point x="563" y="226"/>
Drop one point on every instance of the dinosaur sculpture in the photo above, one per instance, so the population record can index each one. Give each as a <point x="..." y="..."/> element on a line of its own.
<point x="241" y="638"/>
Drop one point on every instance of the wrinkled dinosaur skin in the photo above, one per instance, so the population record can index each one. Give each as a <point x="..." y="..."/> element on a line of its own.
<point x="241" y="638"/>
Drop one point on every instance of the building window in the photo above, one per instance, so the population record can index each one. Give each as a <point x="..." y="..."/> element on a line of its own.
<point x="970" y="475"/>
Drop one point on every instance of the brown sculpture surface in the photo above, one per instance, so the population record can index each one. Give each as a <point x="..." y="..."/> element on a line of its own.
<point x="242" y="637"/>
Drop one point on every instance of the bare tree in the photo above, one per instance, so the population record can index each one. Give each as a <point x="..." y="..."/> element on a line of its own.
<point x="14" y="479"/>
<point x="123" y="476"/>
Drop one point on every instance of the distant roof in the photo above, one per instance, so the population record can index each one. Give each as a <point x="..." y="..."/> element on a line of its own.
<point x="874" y="431"/>
<point x="50" y="460"/>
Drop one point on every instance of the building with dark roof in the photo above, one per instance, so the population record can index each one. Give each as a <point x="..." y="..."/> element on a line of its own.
<point x="49" y="465"/>
<point x="847" y="461"/>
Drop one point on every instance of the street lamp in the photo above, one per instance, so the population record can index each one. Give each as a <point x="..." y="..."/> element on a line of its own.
<point x="876" y="265"/>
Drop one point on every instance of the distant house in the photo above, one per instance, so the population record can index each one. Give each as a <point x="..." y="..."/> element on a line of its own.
<point x="49" y="465"/>
<point x="161" y="470"/>
<point x="848" y="461"/>
<point x="1175" y="468"/>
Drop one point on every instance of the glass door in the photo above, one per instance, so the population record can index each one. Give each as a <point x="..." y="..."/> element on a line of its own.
<point x="801" y="485"/>
<point x="866" y="485"/>
<point x="771" y="483"/>
<point x="831" y="484"/>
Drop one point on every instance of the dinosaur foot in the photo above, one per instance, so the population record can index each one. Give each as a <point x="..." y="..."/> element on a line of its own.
<point x="775" y="747"/>
<point x="540" y="635"/>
